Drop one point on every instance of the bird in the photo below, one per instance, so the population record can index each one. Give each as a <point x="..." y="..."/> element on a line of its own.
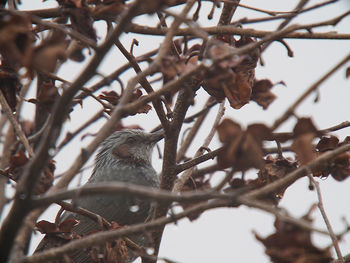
<point x="125" y="156"/>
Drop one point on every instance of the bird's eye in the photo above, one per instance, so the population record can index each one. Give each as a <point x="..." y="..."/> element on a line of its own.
<point x="130" y="140"/>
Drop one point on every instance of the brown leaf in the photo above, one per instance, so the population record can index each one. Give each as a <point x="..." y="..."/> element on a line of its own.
<point x="340" y="168"/>
<point x="253" y="56"/>
<point x="304" y="133"/>
<point x="304" y="149"/>
<point x="304" y="125"/>
<point x="228" y="129"/>
<point x="82" y="21"/>
<point x="173" y="66"/>
<point x="46" y="179"/>
<point x="17" y="166"/>
<point x="108" y="11"/>
<point x="77" y="53"/>
<point x="238" y="93"/>
<point x="275" y="169"/>
<point x="45" y="56"/>
<point x="242" y="149"/>
<point x="16" y="39"/>
<point x="261" y="93"/>
<point x="116" y="251"/>
<point x="327" y="143"/>
<point x="260" y="132"/>
<point x="46" y="227"/>
<point x="18" y="161"/>
<point x="232" y="78"/>
<point x="110" y="96"/>
<point x="113" y="98"/>
<point x="67" y="225"/>
<point x="291" y="244"/>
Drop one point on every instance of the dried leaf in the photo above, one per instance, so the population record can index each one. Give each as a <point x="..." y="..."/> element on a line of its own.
<point x="340" y="169"/>
<point x="304" y="149"/>
<point x="173" y="66"/>
<point x="113" y="98"/>
<point x="261" y="93"/>
<point x="327" y="143"/>
<point x="67" y="225"/>
<point x="303" y="126"/>
<point x="45" y="56"/>
<point x="232" y="78"/>
<point x="16" y="39"/>
<point x="275" y="169"/>
<point x="242" y="149"/>
<point x="17" y="165"/>
<point x="82" y="21"/>
<point x="228" y="129"/>
<point x="108" y="11"/>
<point x="45" y="227"/>
<point x="304" y="134"/>
<point x="18" y="161"/>
<point x="290" y="244"/>
<point x="110" y="96"/>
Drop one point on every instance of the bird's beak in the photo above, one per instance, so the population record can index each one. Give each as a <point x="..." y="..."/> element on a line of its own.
<point x="156" y="136"/>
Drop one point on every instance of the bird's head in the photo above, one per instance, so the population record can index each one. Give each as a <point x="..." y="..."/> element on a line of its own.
<point x="129" y="145"/>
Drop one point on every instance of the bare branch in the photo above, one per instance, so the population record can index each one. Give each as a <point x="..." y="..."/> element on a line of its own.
<point x="18" y="130"/>
<point x="325" y="217"/>
<point x="182" y="180"/>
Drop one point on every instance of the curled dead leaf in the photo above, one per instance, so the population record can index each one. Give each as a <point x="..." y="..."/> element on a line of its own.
<point x="113" y="98"/>
<point x="304" y="133"/>
<point x="291" y="243"/>
<point x="17" y="165"/>
<point x="261" y="93"/>
<point x="16" y="39"/>
<point x="242" y="149"/>
<point x="232" y="78"/>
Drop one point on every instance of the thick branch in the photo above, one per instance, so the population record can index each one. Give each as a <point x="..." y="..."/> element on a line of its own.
<point x="102" y="237"/>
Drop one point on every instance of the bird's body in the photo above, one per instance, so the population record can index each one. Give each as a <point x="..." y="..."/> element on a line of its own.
<point x="125" y="156"/>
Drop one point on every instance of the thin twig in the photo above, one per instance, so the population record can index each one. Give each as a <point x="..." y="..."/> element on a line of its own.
<point x="184" y="177"/>
<point x="197" y="160"/>
<point x="192" y="133"/>
<point x="282" y="216"/>
<point x="234" y="30"/>
<point x="18" y="130"/>
<point x="145" y="84"/>
<point x="325" y="217"/>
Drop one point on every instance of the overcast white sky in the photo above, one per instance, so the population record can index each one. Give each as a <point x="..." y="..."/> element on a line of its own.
<point x="224" y="235"/>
